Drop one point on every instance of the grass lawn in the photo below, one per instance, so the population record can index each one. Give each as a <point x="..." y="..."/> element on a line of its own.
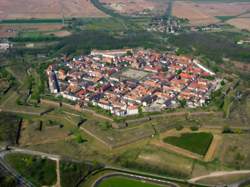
<point x="125" y="182"/>
<point x="35" y="169"/>
<point x="194" y="142"/>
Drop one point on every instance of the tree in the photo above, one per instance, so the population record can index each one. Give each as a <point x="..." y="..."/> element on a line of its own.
<point x="227" y="129"/>
<point x="179" y="127"/>
<point x="79" y="139"/>
<point x="183" y="103"/>
<point x="194" y="128"/>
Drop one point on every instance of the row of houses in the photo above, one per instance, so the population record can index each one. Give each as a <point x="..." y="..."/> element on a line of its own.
<point x="99" y="79"/>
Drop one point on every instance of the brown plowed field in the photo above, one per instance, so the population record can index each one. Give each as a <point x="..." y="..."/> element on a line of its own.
<point x="224" y="9"/>
<point x="190" y="11"/>
<point x="204" y="13"/>
<point x="11" y="30"/>
<point x="26" y="9"/>
<point x="131" y="7"/>
<point x="241" y="23"/>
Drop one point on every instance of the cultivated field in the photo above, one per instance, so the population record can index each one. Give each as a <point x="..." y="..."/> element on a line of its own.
<point x="26" y="9"/>
<point x="135" y="7"/>
<point x="241" y="23"/>
<point x="191" y="12"/>
<point x="11" y="30"/>
<point x="203" y="13"/>
<point x="224" y="9"/>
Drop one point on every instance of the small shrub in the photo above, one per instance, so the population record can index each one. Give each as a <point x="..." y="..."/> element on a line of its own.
<point x="79" y="139"/>
<point x="227" y="129"/>
<point x="179" y="127"/>
<point x="194" y="128"/>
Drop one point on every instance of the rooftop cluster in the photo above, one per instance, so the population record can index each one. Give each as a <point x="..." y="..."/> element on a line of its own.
<point x="127" y="81"/>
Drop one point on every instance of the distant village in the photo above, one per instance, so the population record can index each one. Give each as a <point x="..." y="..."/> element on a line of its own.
<point x="126" y="82"/>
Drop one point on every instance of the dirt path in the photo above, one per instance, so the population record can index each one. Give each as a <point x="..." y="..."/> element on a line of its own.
<point x="58" y="183"/>
<point x="218" y="174"/>
<point x="212" y="149"/>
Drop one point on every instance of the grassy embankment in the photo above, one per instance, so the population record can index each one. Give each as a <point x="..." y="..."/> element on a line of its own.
<point x="194" y="142"/>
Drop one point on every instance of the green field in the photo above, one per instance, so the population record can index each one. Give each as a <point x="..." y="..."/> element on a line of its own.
<point x="125" y="182"/>
<point x="30" y="21"/>
<point x="38" y="170"/>
<point x="194" y="142"/>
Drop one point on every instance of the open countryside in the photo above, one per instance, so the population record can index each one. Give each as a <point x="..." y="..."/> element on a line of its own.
<point x="113" y="93"/>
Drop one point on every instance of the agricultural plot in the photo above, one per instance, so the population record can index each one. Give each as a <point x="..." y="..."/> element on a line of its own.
<point x="12" y="29"/>
<point x="187" y="10"/>
<point x="241" y="23"/>
<point x="137" y="7"/>
<point x="204" y="13"/>
<point x="223" y="8"/>
<point x="28" y="9"/>
<point x="194" y="142"/>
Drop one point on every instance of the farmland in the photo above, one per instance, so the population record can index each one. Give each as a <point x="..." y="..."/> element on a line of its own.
<point x="47" y="9"/>
<point x="139" y="145"/>
<point x="211" y="12"/>
<point x="137" y="7"/>
<point x="242" y="23"/>
<point x="189" y="11"/>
